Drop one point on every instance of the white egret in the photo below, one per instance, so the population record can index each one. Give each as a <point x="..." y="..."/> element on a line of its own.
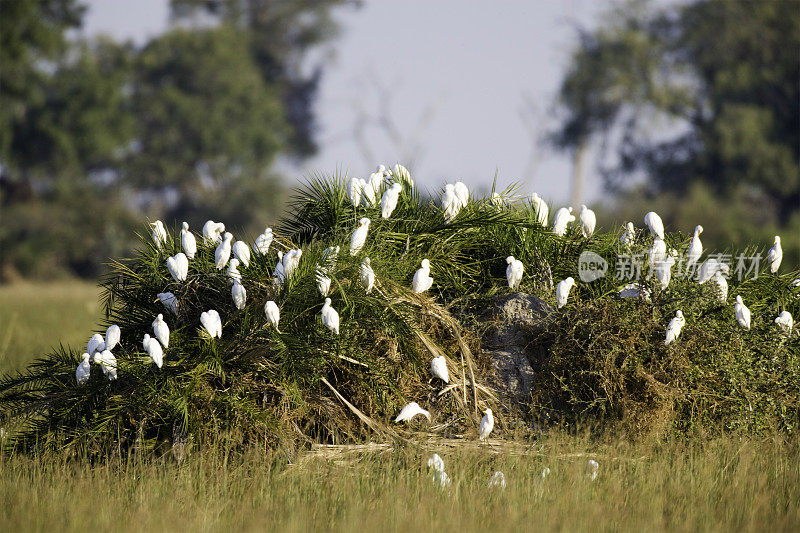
<point x="95" y="344"/>
<point x="279" y="273"/>
<point x="775" y="255"/>
<point x="439" y="369"/>
<point x="410" y="410"/>
<point x="741" y="312"/>
<point x="212" y="322"/>
<point x="545" y="473"/>
<point x="223" y="252"/>
<point x="153" y="349"/>
<point x="161" y="330"/>
<point x="657" y="252"/>
<point x="422" y="278"/>
<point x="376" y="180"/>
<point x="588" y="221"/>
<point x="169" y="300"/>
<point x="674" y="328"/>
<point x="108" y="363"/>
<point x="291" y="261"/>
<point x="628" y="236"/>
<point x="785" y="322"/>
<point x="273" y="313"/>
<point x="83" y="371"/>
<point x="389" y="199"/>
<point x="592" y="469"/>
<point x="241" y="252"/>
<point x="514" y="272"/>
<point x="462" y="193"/>
<point x="212" y="231"/>
<point x="450" y="203"/>
<point x="239" y="294"/>
<point x="441" y="478"/>
<point x="541" y="209"/>
<point x="401" y="174"/>
<point x="263" y="241"/>
<point x="487" y="424"/>
<point x="330" y="317"/>
<point x="435" y="462"/>
<point x="354" y="191"/>
<point x="323" y="281"/>
<point x="654" y="223"/>
<point x="366" y="275"/>
<point x="563" y="217"/>
<point x="634" y="290"/>
<point x="663" y="271"/>
<point x="233" y="271"/>
<point x="113" y="334"/>
<point x="368" y="195"/>
<point x="188" y="241"/>
<point x="709" y="268"/>
<point x="695" y="247"/>
<point x="498" y="480"/>
<point x="178" y="266"/>
<point x="359" y="236"/>
<point x="721" y="289"/>
<point x="562" y="291"/>
<point x="159" y="234"/>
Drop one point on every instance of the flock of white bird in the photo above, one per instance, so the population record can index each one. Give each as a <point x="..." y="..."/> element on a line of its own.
<point x="365" y="193"/>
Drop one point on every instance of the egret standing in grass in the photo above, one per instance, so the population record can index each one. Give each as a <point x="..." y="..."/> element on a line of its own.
<point x="514" y="272"/>
<point x="113" y="335"/>
<point x="741" y="312"/>
<point x="411" y="410"/>
<point x="323" y="281"/>
<point x="212" y="323"/>
<point x="422" y="278"/>
<point x="188" y="241"/>
<point x="402" y="175"/>
<point x="108" y="363"/>
<point x="273" y="314"/>
<point x="159" y="234"/>
<point x="161" y="330"/>
<point x="588" y="221"/>
<point x="279" y="274"/>
<point x="359" y="236"/>
<point x="498" y="480"/>
<point x="178" y="266"/>
<point x="563" y="217"/>
<point x="263" y="241"/>
<point x="153" y="349"/>
<point x="450" y="203"/>
<point x="674" y="328"/>
<point x="223" y="252"/>
<point x="368" y="194"/>
<point x="657" y="252"/>
<point x="720" y="286"/>
<point x="785" y="322"/>
<point x="775" y="255"/>
<point x="83" y="371"/>
<point x="436" y="463"/>
<point x="541" y="209"/>
<point x="242" y="252"/>
<point x="462" y="193"/>
<point x="591" y="470"/>
<point x="654" y="223"/>
<point x="709" y="268"/>
<point x="169" y="300"/>
<point x="366" y="275"/>
<point x="95" y="344"/>
<point x="354" y="191"/>
<point x="389" y="200"/>
<point x="439" y="369"/>
<point x="233" y="271"/>
<point x="487" y="424"/>
<point x="330" y="317"/>
<point x="663" y="271"/>
<point x="239" y="294"/>
<point x="628" y="236"/>
<point x="562" y="291"/>
<point x="695" y="247"/>
<point x="212" y="231"/>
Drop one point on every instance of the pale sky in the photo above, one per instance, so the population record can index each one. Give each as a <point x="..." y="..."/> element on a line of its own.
<point x="460" y="75"/>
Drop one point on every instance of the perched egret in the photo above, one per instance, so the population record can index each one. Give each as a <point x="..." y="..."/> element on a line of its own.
<point x="653" y="221"/>
<point x="161" y="330"/>
<point x="487" y="424"/>
<point x="674" y="328"/>
<point x="323" y="281"/>
<point x="410" y="410"/>
<point x="563" y="217"/>
<point x="241" y="252"/>
<point x="389" y="199"/>
<point x="402" y="175"/>
<point x="95" y="344"/>
<point x="562" y="291"/>
<point x="498" y="480"/>
<point x="545" y="473"/>
<point x="591" y="470"/>
<point x="368" y="194"/>
<point x="178" y="266"/>
<point x="422" y="278"/>
<point x="376" y="180"/>
<point x="354" y="191"/>
<point x="588" y="221"/>
<point x="108" y="363"/>
<point x="263" y="241"/>
<point x="439" y="369"/>
<point x="663" y="271"/>
<point x="657" y="252"/>
<point x="330" y="317"/>
<point x="541" y="209"/>
<point x="169" y="300"/>
<point x="223" y="252"/>
<point x="441" y="478"/>
<point x="212" y="322"/>
<point x="514" y="272"/>
<point x="450" y="203"/>
<point x="153" y="349"/>
<point x="159" y="234"/>
<point x="785" y="322"/>
<point x="212" y="231"/>
<point x="188" y="241"/>
<point x="113" y="334"/>
<point x="635" y="290"/>
<point x="741" y="312"/>
<point x="239" y="294"/>
<point x="366" y="275"/>
<point x="273" y="313"/>
<point x="709" y="268"/>
<point x="83" y="371"/>
<point x="721" y="288"/>
<point x="233" y="271"/>
<point x="359" y="236"/>
<point x="436" y="463"/>
<point x="462" y="193"/>
<point x="628" y="236"/>
<point x="279" y="273"/>
<point x="775" y="255"/>
<point x="695" y="247"/>
<point x="291" y="260"/>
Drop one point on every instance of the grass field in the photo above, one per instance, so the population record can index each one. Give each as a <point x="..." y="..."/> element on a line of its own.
<point x="716" y="485"/>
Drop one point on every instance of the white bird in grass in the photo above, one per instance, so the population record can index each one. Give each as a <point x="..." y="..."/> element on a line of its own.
<point x="159" y="234"/>
<point x="588" y="221"/>
<point x="402" y="175"/>
<point x="178" y="266"/>
<point x="376" y="180"/>
<point x="695" y="247"/>
<point x="368" y="195"/>
<point x="498" y="480"/>
<point x="212" y="231"/>
<point x="462" y="193"/>
<point x="591" y="470"/>
<point x="95" y="344"/>
<point x="663" y="271"/>
<point x="169" y="300"/>
<point x="436" y="463"/>
<point x="83" y="371"/>
<point x="514" y="272"/>
<point x="108" y="363"/>
<point x="634" y="290"/>
<point x="657" y="252"/>
<point x="354" y="191"/>
<point x="389" y="200"/>
<point x="562" y="291"/>
<point x="741" y="312"/>
<point x="775" y="255"/>
<point x="273" y="314"/>
<point x="263" y="241"/>
<point x="709" y="268"/>
<point x="653" y="221"/>
<point x="450" y="204"/>
<point x="674" y="328"/>
<point x="359" y="236"/>
<point x="410" y="410"/>
<point x="563" y="217"/>
<point x="785" y="322"/>
<point x="323" y="281"/>
<point x="545" y="473"/>
<point x="242" y="252"/>
<point x="487" y="424"/>
<point x="439" y="369"/>
<point x="441" y="479"/>
<point x="113" y="334"/>
<point x="239" y="294"/>
<point x="422" y="278"/>
<point x="188" y="241"/>
<point x="291" y="260"/>
<point x="366" y="275"/>
<point x="330" y="317"/>
<point x="223" y="252"/>
<point x="628" y="236"/>
<point x="497" y="200"/>
<point x="161" y="330"/>
<point x="279" y="273"/>
<point x="153" y="349"/>
<point x="233" y="271"/>
<point x="541" y="209"/>
<point x="721" y="289"/>
<point x="212" y="323"/>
